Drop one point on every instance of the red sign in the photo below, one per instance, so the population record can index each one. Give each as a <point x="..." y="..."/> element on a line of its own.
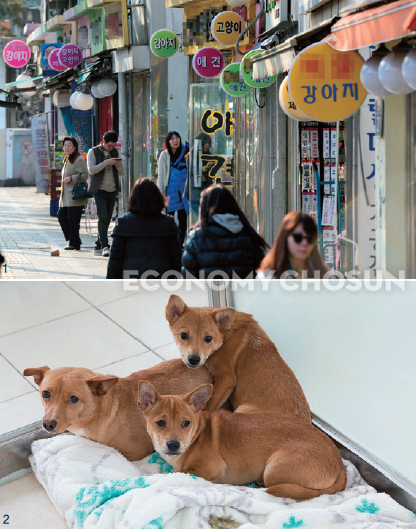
<point x="16" y="54"/>
<point x="54" y="63"/>
<point x="70" y="55"/>
<point x="208" y="62"/>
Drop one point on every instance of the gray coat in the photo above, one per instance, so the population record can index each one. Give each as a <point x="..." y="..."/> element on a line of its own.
<point x="72" y="169"/>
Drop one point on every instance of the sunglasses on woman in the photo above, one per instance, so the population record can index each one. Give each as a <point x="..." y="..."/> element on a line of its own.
<point x="298" y="238"/>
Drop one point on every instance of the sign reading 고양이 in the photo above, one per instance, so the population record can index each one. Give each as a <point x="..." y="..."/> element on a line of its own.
<point x="226" y="27"/>
<point x="325" y="83"/>
<point x="164" y="43"/>
<point x="208" y="62"/>
<point x="70" y="55"/>
<point x="54" y="62"/>
<point x="247" y="72"/>
<point x="231" y="83"/>
<point x="16" y="54"/>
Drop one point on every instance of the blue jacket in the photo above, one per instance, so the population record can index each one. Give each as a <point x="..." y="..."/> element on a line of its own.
<point x="177" y="180"/>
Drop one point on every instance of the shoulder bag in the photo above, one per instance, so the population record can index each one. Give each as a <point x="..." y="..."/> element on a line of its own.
<point x="80" y="190"/>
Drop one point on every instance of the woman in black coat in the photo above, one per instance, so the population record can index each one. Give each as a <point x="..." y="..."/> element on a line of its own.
<point x="144" y="240"/>
<point x="222" y="244"/>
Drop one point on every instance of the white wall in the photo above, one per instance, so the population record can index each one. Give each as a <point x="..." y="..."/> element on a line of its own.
<point x="354" y="355"/>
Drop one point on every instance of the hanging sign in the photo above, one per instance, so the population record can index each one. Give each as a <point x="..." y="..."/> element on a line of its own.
<point x="288" y="105"/>
<point x="16" y="54"/>
<point x="54" y="62"/>
<point x="164" y="43"/>
<point x="208" y="62"/>
<point x="325" y="83"/>
<point x="46" y="50"/>
<point x="230" y="81"/>
<point x="247" y="72"/>
<point x="226" y="27"/>
<point x="70" y="55"/>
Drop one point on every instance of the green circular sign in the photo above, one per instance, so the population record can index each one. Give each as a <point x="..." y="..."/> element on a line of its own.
<point x="164" y="43"/>
<point x="247" y="72"/>
<point x="231" y="83"/>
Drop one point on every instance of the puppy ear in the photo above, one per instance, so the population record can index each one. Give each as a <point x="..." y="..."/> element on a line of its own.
<point x="199" y="396"/>
<point x="101" y="384"/>
<point x="147" y="395"/>
<point x="37" y="372"/>
<point x="224" y="318"/>
<point x="175" y="308"/>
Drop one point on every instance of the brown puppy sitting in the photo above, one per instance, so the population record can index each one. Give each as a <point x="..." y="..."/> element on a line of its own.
<point x="292" y="459"/>
<point x="103" y="408"/>
<point x="244" y="362"/>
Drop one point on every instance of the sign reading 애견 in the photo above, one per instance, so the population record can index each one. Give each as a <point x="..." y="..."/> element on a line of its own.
<point x="16" y="54"/>
<point x="208" y="62"/>
<point x="54" y="62"/>
<point x="325" y="83"/>
<point x="164" y="43"/>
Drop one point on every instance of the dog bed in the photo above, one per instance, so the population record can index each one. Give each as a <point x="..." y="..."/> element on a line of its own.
<point x="94" y="486"/>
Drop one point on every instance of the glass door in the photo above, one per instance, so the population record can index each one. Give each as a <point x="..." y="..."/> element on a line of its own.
<point x="141" y="127"/>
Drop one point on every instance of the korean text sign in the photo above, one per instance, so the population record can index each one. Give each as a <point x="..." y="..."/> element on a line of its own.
<point x="325" y="83"/>
<point x="164" y="43"/>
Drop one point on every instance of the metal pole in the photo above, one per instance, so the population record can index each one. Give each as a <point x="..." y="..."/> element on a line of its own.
<point x="124" y="134"/>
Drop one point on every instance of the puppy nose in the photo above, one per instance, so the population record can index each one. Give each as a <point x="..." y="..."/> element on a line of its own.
<point x="194" y="360"/>
<point x="49" y="426"/>
<point x="173" y="446"/>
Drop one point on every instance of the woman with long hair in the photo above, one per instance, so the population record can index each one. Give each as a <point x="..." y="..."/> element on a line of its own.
<point x="144" y="240"/>
<point x="70" y="211"/>
<point x="172" y="175"/>
<point x="295" y="250"/>
<point x="222" y="243"/>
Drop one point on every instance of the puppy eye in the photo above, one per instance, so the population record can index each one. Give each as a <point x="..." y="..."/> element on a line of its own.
<point x="184" y="336"/>
<point x="161" y="423"/>
<point x="185" y="424"/>
<point x="46" y="394"/>
<point x="208" y="339"/>
<point x="73" y="399"/>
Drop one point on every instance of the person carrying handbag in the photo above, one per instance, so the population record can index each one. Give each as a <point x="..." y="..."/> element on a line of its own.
<point x="70" y="211"/>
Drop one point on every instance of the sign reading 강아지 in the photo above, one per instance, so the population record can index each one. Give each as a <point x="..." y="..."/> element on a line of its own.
<point x="325" y="83"/>
<point x="164" y="43"/>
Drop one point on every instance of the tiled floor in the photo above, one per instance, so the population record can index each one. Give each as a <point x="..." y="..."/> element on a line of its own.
<point x="96" y="324"/>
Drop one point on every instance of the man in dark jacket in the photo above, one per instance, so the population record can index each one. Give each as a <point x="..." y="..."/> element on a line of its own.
<point x="104" y="167"/>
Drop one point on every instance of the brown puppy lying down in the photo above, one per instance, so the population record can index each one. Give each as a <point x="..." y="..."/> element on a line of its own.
<point x="292" y="459"/>
<point x="104" y="407"/>
<point x="243" y="361"/>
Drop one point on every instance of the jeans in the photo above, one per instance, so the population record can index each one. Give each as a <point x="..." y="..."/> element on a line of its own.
<point x="69" y="219"/>
<point x="104" y="200"/>
<point x="183" y="224"/>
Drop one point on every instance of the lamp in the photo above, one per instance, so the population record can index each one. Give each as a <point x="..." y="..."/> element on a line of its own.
<point x="390" y="71"/>
<point x="369" y="73"/>
<point x="106" y="86"/>
<point x="73" y="100"/>
<point x="409" y="68"/>
<point x="94" y="90"/>
<point x="30" y="84"/>
<point x="61" y="98"/>
<point x="84" y="100"/>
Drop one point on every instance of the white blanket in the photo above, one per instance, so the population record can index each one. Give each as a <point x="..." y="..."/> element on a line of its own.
<point x="94" y="486"/>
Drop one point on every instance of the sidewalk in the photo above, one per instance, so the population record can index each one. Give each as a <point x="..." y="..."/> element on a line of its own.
<point x="28" y="234"/>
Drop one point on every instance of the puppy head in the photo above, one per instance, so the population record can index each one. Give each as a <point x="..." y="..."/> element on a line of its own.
<point x="69" y="395"/>
<point x="26" y="147"/>
<point x="198" y="332"/>
<point x="172" y="420"/>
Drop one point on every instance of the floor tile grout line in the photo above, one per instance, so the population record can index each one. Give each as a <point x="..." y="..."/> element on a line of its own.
<point x="18" y="397"/>
<point x="112" y="321"/>
<point x="15" y="368"/>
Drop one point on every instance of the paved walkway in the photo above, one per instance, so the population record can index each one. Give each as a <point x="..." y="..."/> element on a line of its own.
<point x="28" y="235"/>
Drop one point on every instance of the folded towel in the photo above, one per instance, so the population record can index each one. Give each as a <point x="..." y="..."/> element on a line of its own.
<point x="94" y="486"/>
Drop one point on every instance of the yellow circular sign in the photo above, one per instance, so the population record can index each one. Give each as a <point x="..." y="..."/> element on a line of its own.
<point x="325" y="83"/>
<point x="287" y="104"/>
<point x="226" y="27"/>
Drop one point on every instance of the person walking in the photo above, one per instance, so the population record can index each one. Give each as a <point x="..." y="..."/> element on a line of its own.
<point x="295" y="250"/>
<point x="70" y="211"/>
<point x="222" y="244"/>
<point x="144" y="240"/>
<point x="104" y="167"/>
<point x="172" y="175"/>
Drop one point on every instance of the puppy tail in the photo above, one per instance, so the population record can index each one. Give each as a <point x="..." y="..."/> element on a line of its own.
<point x="296" y="492"/>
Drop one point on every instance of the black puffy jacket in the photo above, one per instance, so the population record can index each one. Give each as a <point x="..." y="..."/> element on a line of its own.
<point x="233" y="254"/>
<point x="144" y="243"/>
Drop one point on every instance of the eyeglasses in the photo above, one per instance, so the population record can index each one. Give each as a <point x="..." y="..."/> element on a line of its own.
<point x="298" y="238"/>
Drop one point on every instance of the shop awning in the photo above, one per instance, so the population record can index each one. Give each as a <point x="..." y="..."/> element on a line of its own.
<point x="57" y="80"/>
<point x="14" y="87"/>
<point x="279" y="59"/>
<point x="374" y="26"/>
